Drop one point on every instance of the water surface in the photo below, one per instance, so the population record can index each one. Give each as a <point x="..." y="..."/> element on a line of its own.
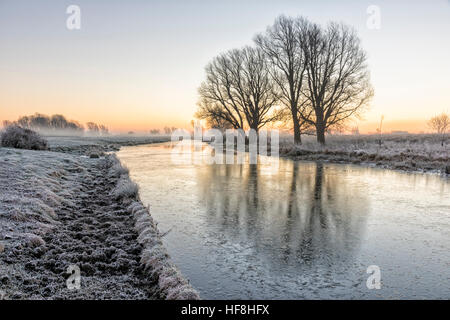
<point x="297" y="230"/>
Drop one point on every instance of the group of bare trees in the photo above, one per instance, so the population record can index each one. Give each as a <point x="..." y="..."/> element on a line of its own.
<point x="40" y="121"/>
<point x="97" y="129"/>
<point x="166" y="130"/>
<point x="315" y="77"/>
<point x="56" y="123"/>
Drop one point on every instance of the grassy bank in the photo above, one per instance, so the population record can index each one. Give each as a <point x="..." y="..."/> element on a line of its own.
<point x="62" y="209"/>
<point x="408" y="152"/>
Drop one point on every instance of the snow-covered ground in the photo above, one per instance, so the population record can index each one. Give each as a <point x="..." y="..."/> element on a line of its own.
<point x="412" y="152"/>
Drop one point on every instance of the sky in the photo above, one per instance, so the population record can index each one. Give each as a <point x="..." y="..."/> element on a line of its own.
<point x="137" y="65"/>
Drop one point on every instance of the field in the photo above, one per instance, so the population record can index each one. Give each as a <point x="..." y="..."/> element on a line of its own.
<point x="98" y="145"/>
<point x="410" y="152"/>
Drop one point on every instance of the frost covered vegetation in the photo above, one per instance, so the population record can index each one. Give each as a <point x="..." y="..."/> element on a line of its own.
<point x="99" y="145"/>
<point x="60" y="209"/>
<point x="156" y="259"/>
<point x="411" y="152"/>
<point x="21" y="138"/>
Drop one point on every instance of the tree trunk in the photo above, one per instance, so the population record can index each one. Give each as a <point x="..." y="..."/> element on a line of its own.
<point x="297" y="133"/>
<point x="320" y="132"/>
<point x="296" y="123"/>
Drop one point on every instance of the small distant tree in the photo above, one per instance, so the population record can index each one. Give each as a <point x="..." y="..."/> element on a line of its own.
<point x="74" y="126"/>
<point x="441" y="125"/>
<point x="39" y="121"/>
<point x="58" y="121"/>
<point x="92" y="128"/>
<point x="167" y="130"/>
<point x="379" y="130"/>
<point x="24" y="122"/>
<point x="103" y="129"/>
<point x="154" y="131"/>
<point x="6" y="123"/>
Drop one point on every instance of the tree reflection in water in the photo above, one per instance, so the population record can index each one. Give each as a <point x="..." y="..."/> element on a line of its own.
<point x="301" y="214"/>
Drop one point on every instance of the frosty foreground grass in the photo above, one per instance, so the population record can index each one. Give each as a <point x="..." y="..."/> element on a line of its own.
<point x="58" y="210"/>
<point x="33" y="184"/>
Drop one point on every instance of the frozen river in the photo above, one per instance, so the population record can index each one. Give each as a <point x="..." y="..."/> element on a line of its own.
<point x="297" y="230"/>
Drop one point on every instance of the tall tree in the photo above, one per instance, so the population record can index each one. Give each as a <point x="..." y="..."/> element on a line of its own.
<point x="282" y="44"/>
<point x="217" y="95"/>
<point x="239" y="90"/>
<point x="337" y="77"/>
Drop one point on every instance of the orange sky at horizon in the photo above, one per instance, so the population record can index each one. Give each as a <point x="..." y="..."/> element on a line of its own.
<point x="139" y="117"/>
<point x="142" y="126"/>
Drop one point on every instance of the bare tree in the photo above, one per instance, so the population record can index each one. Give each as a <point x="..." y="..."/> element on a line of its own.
<point x="93" y="128"/>
<point x="217" y="116"/>
<point x="282" y="44"/>
<point x="7" y="123"/>
<point x="24" y="121"/>
<point x="214" y="117"/>
<point x="167" y="130"/>
<point x="103" y="129"/>
<point x="440" y="124"/>
<point x="217" y="102"/>
<point x="239" y="90"/>
<point x="337" y="78"/>
<point x="39" y="121"/>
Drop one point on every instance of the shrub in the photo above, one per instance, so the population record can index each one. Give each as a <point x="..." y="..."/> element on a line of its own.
<point x="21" y="138"/>
<point x="118" y="169"/>
<point x="125" y="188"/>
<point x="33" y="240"/>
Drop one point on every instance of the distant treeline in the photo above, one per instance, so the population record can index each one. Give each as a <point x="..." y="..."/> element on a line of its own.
<point x="56" y="123"/>
<point x="167" y="130"/>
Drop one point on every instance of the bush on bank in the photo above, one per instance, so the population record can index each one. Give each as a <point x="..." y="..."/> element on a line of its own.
<point x="20" y="138"/>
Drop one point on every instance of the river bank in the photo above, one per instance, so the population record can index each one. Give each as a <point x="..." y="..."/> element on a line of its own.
<point x="98" y="146"/>
<point x="410" y="153"/>
<point x="60" y="210"/>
